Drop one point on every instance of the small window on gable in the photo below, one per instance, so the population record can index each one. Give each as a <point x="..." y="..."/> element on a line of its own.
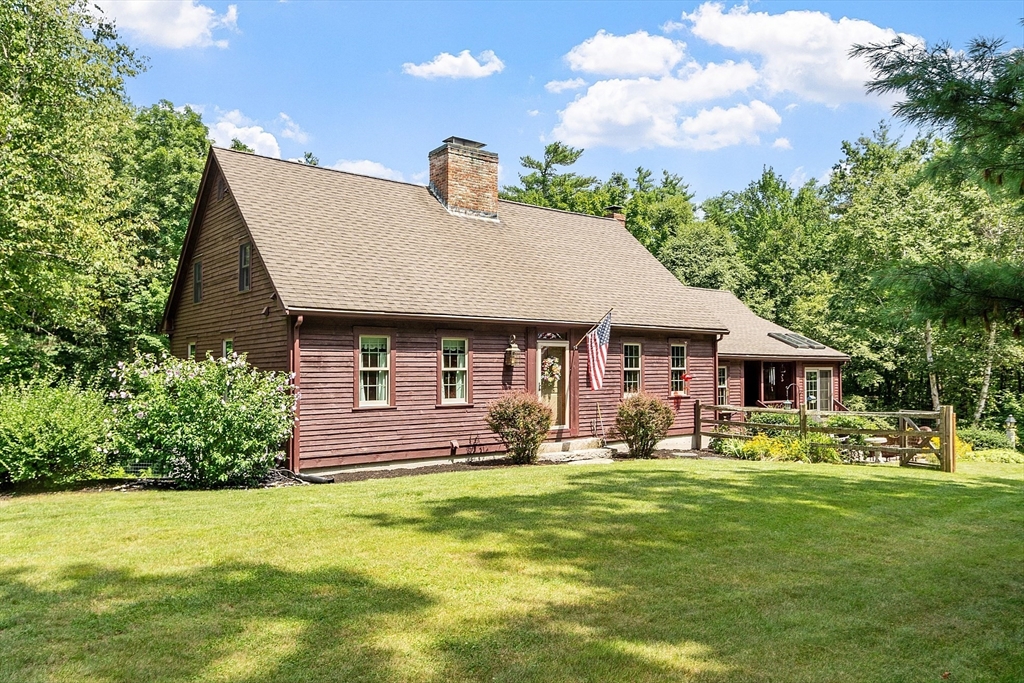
<point x="631" y="369"/>
<point x="374" y="370"/>
<point x="244" y="267"/>
<point x="197" y="282"/>
<point x="227" y="348"/>
<point x="454" y="371"/>
<point x="191" y="353"/>
<point x="679" y="380"/>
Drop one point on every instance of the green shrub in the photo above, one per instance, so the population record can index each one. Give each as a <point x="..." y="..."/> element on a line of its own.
<point x="726" y="446"/>
<point x="51" y="434"/>
<point x="812" y="448"/>
<point x="643" y="420"/>
<point x="841" y="420"/>
<point x="984" y="439"/>
<point x="1006" y="455"/>
<point x="773" y="419"/>
<point x="217" y="422"/>
<point x="522" y="422"/>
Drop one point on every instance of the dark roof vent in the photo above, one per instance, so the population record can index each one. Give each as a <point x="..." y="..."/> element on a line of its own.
<point x="797" y="341"/>
<point x="463" y="142"/>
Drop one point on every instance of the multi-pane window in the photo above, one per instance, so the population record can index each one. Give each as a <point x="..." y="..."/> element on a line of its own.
<point x="723" y="385"/>
<point x="374" y="370"/>
<point x="454" y="371"/>
<point x="197" y="282"/>
<point x="244" y="267"/>
<point x="228" y="347"/>
<point x="192" y="351"/>
<point x="630" y="369"/>
<point x="678" y="369"/>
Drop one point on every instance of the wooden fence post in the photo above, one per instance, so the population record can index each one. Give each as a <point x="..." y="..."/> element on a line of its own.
<point x="698" y="440"/>
<point x="947" y="438"/>
<point x="803" y="420"/>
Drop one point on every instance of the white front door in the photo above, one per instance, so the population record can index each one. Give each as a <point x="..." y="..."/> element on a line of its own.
<point x="818" y="388"/>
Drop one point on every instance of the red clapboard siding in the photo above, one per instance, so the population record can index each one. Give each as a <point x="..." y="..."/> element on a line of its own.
<point x="224" y="312"/>
<point x="333" y="432"/>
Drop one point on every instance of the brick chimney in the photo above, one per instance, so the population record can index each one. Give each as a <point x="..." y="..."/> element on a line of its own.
<point x="464" y="177"/>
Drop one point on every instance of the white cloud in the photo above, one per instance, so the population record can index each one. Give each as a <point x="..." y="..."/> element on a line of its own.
<point x="292" y="131"/>
<point x="715" y="128"/>
<point x="647" y="112"/>
<point x="792" y="106"/>
<point x="234" y="124"/>
<point x="782" y="143"/>
<point x="172" y="23"/>
<point x="532" y="112"/>
<point x="367" y="167"/>
<point x="638" y="54"/>
<point x="559" y="86"/>
<point x="802" y="51"/>
<point x="798" y="178"/>
<point x="464" y="65"/>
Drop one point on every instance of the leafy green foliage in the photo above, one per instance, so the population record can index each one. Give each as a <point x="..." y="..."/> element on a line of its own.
<point x="984" y="439"/>
<point x="704" y="254"/>
<point x="217" y="422"/>
<point x="1004" y="455"/>
<point x="812" y="448"/>
<point x="240" y="146"/>
<point x="642" y="421"/>
<point x="51" y="434"/>
<point x="773" y="419"/>
<point x="522" y="422"/>
<point x="975" y="97"/>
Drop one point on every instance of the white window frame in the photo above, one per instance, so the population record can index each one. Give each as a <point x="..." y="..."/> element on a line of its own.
<point x="672" y="369"/>
<point x="386" y="369"/>
<point x="638" y="369"/>
<point x="245" y="266"/>
<point x="462" y="371"/>
<point x="190" y="353"/>
<point x="817" y="387"/>
<point x="224" y="350"/>
<point x="722" y="385"/>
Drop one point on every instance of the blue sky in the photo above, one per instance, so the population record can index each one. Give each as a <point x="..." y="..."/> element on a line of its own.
<point x="712" y="91"/>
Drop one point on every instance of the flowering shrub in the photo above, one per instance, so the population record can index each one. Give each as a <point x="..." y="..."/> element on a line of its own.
<point x="51" y="434"/>
<point x="522" y="422"/>
<point x="643" y="420"/>
<point x="812" y="448"/>
<point x="217" y="422"/>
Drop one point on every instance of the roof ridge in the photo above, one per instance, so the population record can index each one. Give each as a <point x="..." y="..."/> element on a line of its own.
<point x="714" y="289"/>
<point x="320" y="168"/>
<point x="551" y="208"/>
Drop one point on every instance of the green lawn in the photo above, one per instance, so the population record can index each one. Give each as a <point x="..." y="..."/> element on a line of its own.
<point x="645" y="571"/>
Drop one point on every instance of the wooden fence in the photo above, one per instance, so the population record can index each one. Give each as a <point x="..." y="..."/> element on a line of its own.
<point x="907" y="440"/>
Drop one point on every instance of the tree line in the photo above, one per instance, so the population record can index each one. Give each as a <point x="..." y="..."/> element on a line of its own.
<point x="908" y="256"/>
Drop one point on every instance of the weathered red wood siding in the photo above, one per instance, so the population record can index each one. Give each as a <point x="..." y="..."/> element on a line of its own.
<point x="224" y="312"/>
<point x="334" y="432"/>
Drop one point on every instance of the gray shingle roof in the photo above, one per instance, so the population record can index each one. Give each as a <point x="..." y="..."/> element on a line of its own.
<point x="341" y="242"/>
<point x="748" y="333"/>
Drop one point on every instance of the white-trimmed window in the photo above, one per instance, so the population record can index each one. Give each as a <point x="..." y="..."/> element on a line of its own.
<point x="723" y="385"/>
<point x="227" y="347"/>
<point x="679" y="385"/>
<point x="244" y="267"/>
<point x="191" y="353"/>
<point x="374" y="370"/>
<point x="631" y="361"/>
<point x="454" y="370"/>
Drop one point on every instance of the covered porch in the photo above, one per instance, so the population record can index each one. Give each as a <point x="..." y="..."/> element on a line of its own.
<point x="788" y="384"/>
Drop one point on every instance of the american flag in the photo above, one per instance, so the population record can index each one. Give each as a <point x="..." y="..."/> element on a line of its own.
<point x="597" y="351"/>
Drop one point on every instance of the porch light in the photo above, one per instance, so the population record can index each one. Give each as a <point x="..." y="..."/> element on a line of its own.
<point x="512" y="353"/>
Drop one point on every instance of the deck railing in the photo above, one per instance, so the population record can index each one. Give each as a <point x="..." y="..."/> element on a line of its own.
<point x="907" y="440"/>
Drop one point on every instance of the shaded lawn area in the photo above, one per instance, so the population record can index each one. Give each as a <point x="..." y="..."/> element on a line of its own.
<point x="640" y="571"/>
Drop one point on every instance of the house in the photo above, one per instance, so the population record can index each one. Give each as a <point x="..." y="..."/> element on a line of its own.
<point x="404" y="310"/>
<point x="764" y="364"/>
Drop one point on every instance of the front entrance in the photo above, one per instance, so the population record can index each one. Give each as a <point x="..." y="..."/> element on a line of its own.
<point x="553" y="381"/>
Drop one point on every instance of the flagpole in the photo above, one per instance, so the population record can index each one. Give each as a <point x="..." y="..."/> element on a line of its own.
<point x="592" y="328"/>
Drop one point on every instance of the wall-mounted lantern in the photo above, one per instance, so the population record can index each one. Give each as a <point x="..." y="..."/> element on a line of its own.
<point x="512" y="353"/>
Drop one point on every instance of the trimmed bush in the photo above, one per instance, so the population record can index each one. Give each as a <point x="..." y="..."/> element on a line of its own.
<point x="1005" y="455"/>
<point x="642" y="422"/>
<point x="522" y="422"/>
<point x="984" y="439"/>
<point x="51" y="434"/>
<point x="217" y="422"/>
<point x="773" y="419"/>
